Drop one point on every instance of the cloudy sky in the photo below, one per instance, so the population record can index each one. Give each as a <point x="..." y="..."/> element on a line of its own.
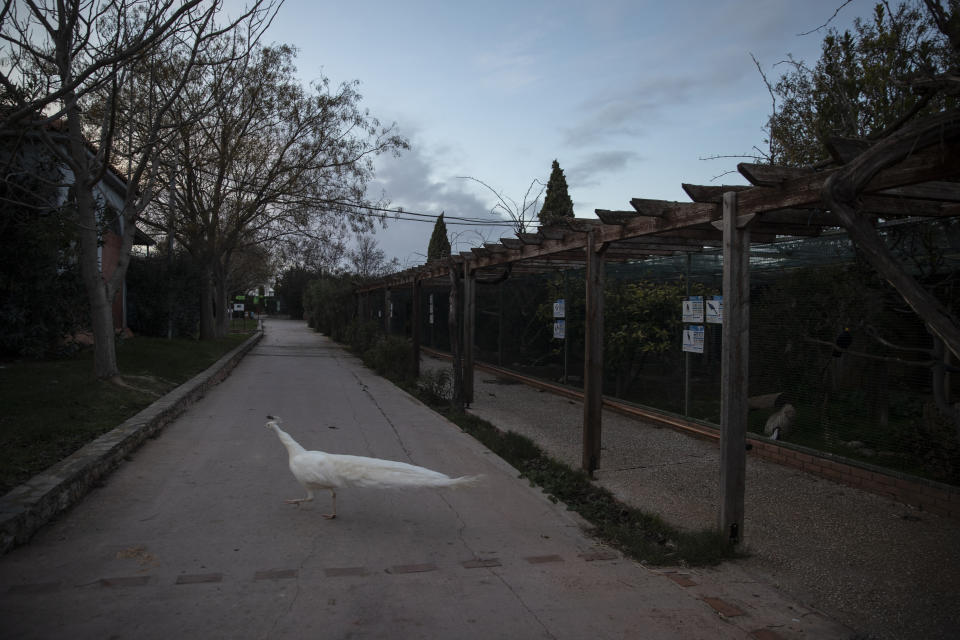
<point x="630" y="97"/>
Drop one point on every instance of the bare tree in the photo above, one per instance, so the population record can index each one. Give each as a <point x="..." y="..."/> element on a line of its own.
<point x="73" y="59"/>
<point x="369" y="260"/>
<point x="271" y="161"/>
<point x="523" y="214"/>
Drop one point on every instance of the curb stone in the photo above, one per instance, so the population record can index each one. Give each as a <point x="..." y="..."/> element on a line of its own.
<point x="44" y="496"/>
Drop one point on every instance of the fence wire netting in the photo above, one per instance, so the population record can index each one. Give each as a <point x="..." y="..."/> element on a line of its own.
<point x="835" y="352"/>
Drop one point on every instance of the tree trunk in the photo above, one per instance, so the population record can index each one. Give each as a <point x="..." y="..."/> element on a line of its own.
<point x="101" y="313"/>
<point x="221" y="312"/>
<point x="207" y="302"/>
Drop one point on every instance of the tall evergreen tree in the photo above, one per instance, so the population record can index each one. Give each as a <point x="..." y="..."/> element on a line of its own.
<point x="439" y="244"/>
<point x="557" y="205"/>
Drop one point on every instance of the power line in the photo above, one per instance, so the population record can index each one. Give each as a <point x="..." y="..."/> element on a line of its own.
<point x="417" y="216"/>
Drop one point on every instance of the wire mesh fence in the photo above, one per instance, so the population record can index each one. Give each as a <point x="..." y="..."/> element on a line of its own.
<point x="837" y="360"/>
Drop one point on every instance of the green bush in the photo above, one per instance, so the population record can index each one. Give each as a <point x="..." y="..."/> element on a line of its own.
<point x="391" y="357"/>
<point x="42" y="298"/>
<point x="359" y="335"/>
<point x="163" y="293"/>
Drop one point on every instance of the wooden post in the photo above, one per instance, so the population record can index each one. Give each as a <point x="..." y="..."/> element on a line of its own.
<point x="734" y="374"/>
<point x="417" y="322"/>
<point x="686" y="354"/>
<point x="455" y="337"/>
<point x="469" y="324"/>
<point x="593" y="356"/>
<point x="500" y="324"/>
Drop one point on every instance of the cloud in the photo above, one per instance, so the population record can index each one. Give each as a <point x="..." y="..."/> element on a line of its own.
<point x="628" y="112"/>
<point x="409" y="182"/>
<point x="511" y="63"/>
<point x="593" y="167"/>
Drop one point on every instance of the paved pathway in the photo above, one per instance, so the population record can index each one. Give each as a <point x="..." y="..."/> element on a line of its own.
<point x="190" y="538"/>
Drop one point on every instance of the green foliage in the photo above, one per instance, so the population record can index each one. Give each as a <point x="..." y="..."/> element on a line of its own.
<point x="361" y="335"/>
<point x="291" y="287"/>
<point x="161" y="291"/>
<point x="850" y="90"/>
<point x="42" y="298"/>
<point x="557" y="205"/>
<point x="328" y="304"/>
<point x="391" y="357"/>
<point x="439" y="243"/>
<point x="641" y="319"/>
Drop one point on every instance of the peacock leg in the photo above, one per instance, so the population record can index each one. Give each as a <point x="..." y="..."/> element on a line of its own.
<point x="331" y="516"/>
<point x="299" y="500"/>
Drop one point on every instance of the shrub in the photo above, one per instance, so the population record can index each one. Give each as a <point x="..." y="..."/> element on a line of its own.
<point x="391" y="357"/>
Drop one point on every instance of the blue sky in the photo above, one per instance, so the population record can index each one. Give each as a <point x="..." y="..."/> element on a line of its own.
<point x="627" y="96"/>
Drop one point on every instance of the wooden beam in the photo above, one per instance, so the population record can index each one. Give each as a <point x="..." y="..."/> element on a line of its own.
<point x="653" y="208"/>
<point x="593" y="355"/>
<point x="881" y="205"/>
<point x="933" y="190"/>
<point x="734" y="381"/>
<point x="843" y="150"/>
<point x="615" y="217"/>
<point x="932" y="163"/>
<point x="766" y="175"/>
<point x="710" y="193"/>
<point x="552" y="233"/>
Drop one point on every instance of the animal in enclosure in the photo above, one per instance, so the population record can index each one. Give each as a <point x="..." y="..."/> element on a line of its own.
<point x="317" y="470"/>
<point x="780" y="423"/>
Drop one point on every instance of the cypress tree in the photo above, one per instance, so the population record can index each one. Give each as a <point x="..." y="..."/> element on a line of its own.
<point x="557" y="205"/>
<point x="439" y="244"/>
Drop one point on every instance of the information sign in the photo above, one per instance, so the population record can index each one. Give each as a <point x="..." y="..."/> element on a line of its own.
<point x="715" y="310"/>
<point x="559" y="329"/>
<point x="693" y="339"/>
<point x="693" y="309"/>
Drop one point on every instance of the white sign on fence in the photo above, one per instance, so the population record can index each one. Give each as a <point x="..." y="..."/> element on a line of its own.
<point x="560" y="308"/>
<point x="431" y="308"/>
<point x="693" y="309"/>
<point x="715" y="310"/>
<point x="559" y="328"/>
<point x="693" y="339"/>
<point x="238" y="306"/>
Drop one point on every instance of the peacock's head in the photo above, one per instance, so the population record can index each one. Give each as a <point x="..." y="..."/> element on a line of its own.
<point x="273" y="422"/>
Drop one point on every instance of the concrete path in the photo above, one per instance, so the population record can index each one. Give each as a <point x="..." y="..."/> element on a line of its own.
<point x="191" y="538"/>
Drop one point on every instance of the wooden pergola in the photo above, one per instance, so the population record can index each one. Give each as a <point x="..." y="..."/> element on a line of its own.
<point x="779" y="202"/>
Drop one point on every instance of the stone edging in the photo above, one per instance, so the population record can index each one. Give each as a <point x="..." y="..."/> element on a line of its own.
<point x="34" y="503"/>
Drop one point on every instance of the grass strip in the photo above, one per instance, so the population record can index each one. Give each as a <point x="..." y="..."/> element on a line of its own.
<point x="645" y="538"/>
<point x="52" y="408"/>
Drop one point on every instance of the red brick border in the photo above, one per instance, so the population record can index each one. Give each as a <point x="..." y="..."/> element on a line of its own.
<point x="925" y="495"/>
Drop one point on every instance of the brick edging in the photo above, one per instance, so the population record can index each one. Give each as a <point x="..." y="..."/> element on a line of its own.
<point x="926" y="495"/>
<point x="29" y="506"/>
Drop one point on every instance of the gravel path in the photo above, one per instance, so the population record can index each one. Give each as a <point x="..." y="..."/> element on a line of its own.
<point x="871" y="563"/>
